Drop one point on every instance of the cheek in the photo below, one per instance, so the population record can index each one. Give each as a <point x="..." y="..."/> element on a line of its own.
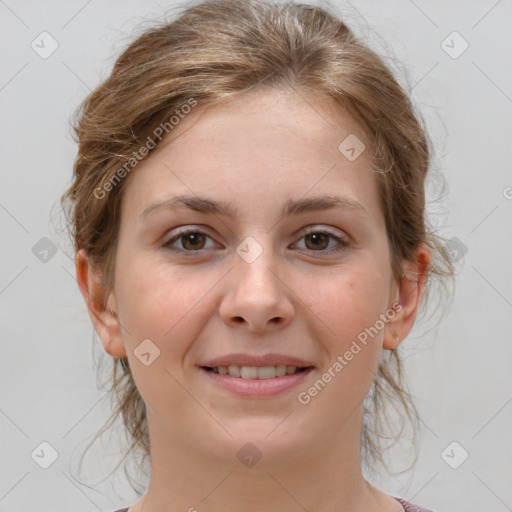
<point x="169" y="308"/>
<point x="347" y="309"/>
<point x="165" y="305"/>
<point x="347" y="303"/>
<point x="347" y="306"/>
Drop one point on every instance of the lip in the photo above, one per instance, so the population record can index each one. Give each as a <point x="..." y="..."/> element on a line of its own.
<point x="257" y="360"/>
<point x="257" y="387"/>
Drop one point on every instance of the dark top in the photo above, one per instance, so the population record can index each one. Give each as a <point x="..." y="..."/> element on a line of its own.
<point x="408" y="507"/>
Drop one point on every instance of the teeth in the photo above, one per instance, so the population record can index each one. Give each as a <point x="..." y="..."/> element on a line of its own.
<point x="256" y="372"/>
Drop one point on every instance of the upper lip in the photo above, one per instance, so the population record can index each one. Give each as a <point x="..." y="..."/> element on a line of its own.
<point x="257" y="360"/>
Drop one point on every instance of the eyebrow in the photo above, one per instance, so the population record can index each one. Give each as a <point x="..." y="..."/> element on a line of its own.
<point x="291" y="207"/>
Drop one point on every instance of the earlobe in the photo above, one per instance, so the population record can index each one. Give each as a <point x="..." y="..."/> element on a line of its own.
<point x="391" y="340"/>
<point x="102" y="308"/>
<point x="410" y="292"/>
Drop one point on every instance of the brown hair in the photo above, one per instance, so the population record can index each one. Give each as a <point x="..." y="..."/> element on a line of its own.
<point x="213" y="51"/>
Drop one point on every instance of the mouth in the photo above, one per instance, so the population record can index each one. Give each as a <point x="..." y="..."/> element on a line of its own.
<point x="256" y="382"/>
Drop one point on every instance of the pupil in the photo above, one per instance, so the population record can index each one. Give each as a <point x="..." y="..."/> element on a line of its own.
<point x="315" y="236"/>
<point x="195" y="238"/>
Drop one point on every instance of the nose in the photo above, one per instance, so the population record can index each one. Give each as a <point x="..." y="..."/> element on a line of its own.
<point x="257" y="296"/>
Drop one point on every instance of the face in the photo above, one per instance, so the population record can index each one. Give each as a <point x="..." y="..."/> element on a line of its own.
<point x="304" y="285"/>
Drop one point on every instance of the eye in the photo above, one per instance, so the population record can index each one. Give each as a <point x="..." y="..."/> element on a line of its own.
<point x="191" y="240"/>
<point x="317" y="240"/>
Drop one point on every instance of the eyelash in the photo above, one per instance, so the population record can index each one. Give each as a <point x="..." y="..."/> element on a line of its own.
<point x="343" y="243"/>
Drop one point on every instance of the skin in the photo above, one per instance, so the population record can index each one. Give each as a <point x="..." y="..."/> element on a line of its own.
<point x="296" y="298"/>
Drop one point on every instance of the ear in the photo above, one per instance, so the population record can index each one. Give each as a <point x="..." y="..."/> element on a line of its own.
<point x="408" y="295"/>
<point x="102" y="308"/>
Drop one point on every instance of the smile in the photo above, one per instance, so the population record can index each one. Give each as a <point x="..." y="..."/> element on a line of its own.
<point x="256" y="381"/>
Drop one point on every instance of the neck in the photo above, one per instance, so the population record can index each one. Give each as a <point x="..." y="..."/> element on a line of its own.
<point x="320" y="475"/>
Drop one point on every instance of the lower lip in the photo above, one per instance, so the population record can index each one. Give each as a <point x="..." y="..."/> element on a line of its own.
<point x="257" y="387"/>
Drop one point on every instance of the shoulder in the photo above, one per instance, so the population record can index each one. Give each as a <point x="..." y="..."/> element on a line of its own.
<point x="409" y="507"/>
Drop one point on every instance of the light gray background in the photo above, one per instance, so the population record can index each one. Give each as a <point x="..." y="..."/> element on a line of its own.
<point x="460" y="374"/>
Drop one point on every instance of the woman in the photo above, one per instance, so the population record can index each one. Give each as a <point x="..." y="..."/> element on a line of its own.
<point x="248" y="217"/>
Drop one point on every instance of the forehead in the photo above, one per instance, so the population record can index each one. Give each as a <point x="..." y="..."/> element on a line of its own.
<point x="259" y="146"/>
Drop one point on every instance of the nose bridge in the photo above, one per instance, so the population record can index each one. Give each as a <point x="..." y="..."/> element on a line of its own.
<point x="256" y="293"/>
<point x="257" y="260"/>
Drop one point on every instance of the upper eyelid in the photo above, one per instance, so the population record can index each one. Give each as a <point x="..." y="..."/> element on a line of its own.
<point x="206" y="231"/>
